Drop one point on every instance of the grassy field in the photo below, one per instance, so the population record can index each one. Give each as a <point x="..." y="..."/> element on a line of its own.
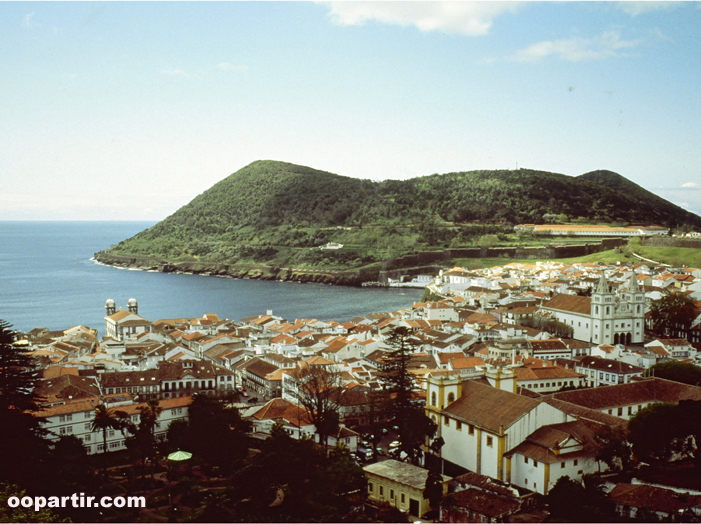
<point x="675" y="256"/>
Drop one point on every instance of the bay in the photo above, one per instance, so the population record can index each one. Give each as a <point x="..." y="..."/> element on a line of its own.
<point x="47" y="279"/>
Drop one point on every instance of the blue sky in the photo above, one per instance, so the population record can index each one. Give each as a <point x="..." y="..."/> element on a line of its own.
<point x="128" y="110"/>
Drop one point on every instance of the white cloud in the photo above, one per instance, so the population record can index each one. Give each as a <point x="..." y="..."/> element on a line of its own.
<point x="605" y="45"/>
<point x="175" y="72"/>
<point x="635" y="8"/>
<point x="28" y="21"/>
<point x="226" y="66"/>
<point x="463" y="18"/>
<point x="693" y="185"/>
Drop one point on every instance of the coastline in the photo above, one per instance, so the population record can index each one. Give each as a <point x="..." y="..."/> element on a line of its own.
<point x="253" y="272"/>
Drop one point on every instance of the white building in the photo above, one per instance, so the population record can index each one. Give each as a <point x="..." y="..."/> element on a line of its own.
<point x="606" y="317"/>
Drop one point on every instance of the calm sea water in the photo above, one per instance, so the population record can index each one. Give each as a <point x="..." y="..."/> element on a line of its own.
<point x="48" y="280"/>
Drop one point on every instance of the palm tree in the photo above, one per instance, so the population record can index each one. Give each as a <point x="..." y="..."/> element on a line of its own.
<point x="149" y="418"/>
<point x="149" y="415"/>
<point x="104" y="420"/>
<point x="124" y="423"/>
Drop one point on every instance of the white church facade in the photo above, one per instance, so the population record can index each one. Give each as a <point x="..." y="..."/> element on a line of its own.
<point x="607" y="317"/>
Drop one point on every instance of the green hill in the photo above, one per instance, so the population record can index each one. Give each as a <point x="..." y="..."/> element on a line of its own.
<point x="278" y="214"/>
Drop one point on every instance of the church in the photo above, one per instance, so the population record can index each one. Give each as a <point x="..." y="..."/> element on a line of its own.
<point x="607" y="317"/>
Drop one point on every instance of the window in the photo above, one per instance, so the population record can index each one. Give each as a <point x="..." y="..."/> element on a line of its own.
<point x="369" y="487"/>
<point x="100" y="447"/>
<point x="87" y="426"/>
<point x="471" y="429"/>
<point x="382" y="491"/>
<point x="433" y="399"/>
<point x="490" y="441"/>
<point x="110" y="433"/>
<point x="562" y="465"/>
<point x="86" y="438"/>
<point x="403" y="498"/>
<point x="575" y="462"/>
<point x="87" y="414"/>
<point x="116" y="444"/>
<point x="630" y="410"/>
<point x="451" y="398"/>
<point x="458" y="425"/>
<point x="446" y="421"/>
<point x="391" y="494"/>
<point x="525" y="460"/>
<point x="535" y="463"/>
<point x="610" y="412"/>
<point x="620" y="411"/>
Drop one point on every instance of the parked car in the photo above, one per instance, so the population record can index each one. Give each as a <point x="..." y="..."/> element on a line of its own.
<point x="252" y="400"/>
<point x="395" y="444"/>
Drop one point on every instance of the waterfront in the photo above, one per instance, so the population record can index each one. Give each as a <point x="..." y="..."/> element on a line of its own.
<point x="47" y="279"/>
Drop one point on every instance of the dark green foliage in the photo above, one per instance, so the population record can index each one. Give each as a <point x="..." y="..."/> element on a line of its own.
<point x="684" y="372"/>
<point x="214" y="433"/>
<point x="274" y="212"/>
<point x="660" y="430"/>
<point x="20" y="513"/>
<point x="295" y="481"/>
<point x="104" y="421"/>
<point x="613" y="448"/>
<point x="672" y="314"/>
<point x="25" y="450"/>
<point x="570" y="501"/>
<point x="433" y="490"/>
<point x="403" y="406"/>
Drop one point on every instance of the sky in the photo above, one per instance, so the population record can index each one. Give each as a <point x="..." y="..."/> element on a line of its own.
<point x="128" y="110"/>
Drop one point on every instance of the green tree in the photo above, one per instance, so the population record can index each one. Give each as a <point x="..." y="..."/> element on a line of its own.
<point x="215" y="434"/>
<point x="403" y="405"/>
<point x="673" y="314"/>
<point x="22" y="436"/>
<point x="571" y="501"/>
<point x="684" y="372"/>
<point x="20" y="513"/>
<point x="104" y="421"/>
<point x="612" y="447"/>
<point x="653" y="432"/>
<point x="295" y="481"/>
<point x="433" y="490"/>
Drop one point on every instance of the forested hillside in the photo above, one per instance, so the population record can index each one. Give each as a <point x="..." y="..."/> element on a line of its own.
<point x="275" y="213"/>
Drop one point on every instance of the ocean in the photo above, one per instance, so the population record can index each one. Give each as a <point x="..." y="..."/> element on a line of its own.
<point x="47" y="279"/>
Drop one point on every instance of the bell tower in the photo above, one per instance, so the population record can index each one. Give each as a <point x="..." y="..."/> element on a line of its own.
<point x="110" y="308"/>
<point x="133" y="306"/>
<point x="602" y="313"/>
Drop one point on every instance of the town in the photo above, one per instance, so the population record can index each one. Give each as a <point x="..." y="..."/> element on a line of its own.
<point x="531" y="376"/>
